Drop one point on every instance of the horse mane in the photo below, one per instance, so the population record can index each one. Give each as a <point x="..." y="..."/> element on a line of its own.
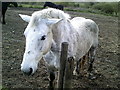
<point x="48" y="13"/>
<point x="51" y="13"/>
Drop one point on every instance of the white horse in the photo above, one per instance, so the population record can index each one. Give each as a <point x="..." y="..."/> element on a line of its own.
<point x="45" y="32"/>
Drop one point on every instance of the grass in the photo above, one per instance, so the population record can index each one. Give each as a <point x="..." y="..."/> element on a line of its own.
<point x="86" y="10"/>
<point x="30" y="6"/>
<point x="2" y="88"/>
<point x="89" y="11"/>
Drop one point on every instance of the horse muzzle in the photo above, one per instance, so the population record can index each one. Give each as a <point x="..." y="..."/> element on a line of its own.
<point x="28" y="71"/>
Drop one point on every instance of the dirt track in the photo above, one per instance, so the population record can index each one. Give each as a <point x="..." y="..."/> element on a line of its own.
<point x="106" y="64"/>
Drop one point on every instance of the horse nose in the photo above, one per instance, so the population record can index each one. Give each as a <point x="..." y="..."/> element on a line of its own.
<point x="28" y="72"/>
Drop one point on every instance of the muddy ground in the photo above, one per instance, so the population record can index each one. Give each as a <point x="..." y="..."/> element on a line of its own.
<point x="13" y="42"/>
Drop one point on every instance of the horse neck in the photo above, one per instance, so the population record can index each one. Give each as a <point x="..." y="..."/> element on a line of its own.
<point x="61" y="32"/>
<point x="57" y="34"/>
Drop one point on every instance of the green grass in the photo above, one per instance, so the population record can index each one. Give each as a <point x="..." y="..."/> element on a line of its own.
<point x="30" y="6"/>
<point x="3" y="88"/>
<point x="0" y="87"/>
<point x="86" y="10"/>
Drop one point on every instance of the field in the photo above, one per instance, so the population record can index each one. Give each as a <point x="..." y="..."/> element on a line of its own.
<point x="13" y="42"/>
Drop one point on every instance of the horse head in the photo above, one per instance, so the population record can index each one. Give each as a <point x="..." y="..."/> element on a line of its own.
<point x="39" y="37"/>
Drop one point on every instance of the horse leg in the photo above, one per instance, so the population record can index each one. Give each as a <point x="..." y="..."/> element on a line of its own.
<point x="83" y="62"/>
<point x="52" y="78"/>
<point x="3" y="15"/>
<point x="92" y="53"/>
<point x="3" y="19"/>
<point x="78" y="66"/>
<point x="82" y="66"/>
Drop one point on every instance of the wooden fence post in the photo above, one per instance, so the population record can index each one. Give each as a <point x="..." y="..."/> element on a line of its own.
<point x="68" y="73"/>
<point x="63" y="59"/>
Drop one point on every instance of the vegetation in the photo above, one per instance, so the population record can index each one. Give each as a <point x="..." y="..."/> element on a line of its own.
<point x="31" y="4"/>
<point x="1" y="88"/>
<point x="106" y="8"/>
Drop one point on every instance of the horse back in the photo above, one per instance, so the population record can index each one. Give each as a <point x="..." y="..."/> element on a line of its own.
<point x="50" y="4"/>
<point x="60" y="7"/>
<point x="85" y="24"/>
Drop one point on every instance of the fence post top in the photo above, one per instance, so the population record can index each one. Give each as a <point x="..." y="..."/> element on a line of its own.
<point x="65" y="43"/>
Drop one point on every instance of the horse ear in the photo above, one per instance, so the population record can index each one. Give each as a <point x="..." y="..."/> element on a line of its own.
<point x="50" y="22"/>
<point x="25" y="17"/>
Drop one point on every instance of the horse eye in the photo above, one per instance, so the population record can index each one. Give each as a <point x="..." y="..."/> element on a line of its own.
<point x="43" y="37"/>
<point x="28" y="52"/>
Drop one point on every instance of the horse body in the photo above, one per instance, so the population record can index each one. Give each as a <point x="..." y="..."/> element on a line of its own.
<point x="52" y="5"/>
<point x="80" y="39"/>
<point x="4" y="9"/>
<point x="48" y="29"/>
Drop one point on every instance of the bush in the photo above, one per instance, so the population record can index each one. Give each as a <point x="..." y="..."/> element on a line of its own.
<point x="108" y="8"/>
<point x="20" y="5"/>
<point x="89" y="4"/>
<point x="68" y="4"/>
<point x="115" y="7"/>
